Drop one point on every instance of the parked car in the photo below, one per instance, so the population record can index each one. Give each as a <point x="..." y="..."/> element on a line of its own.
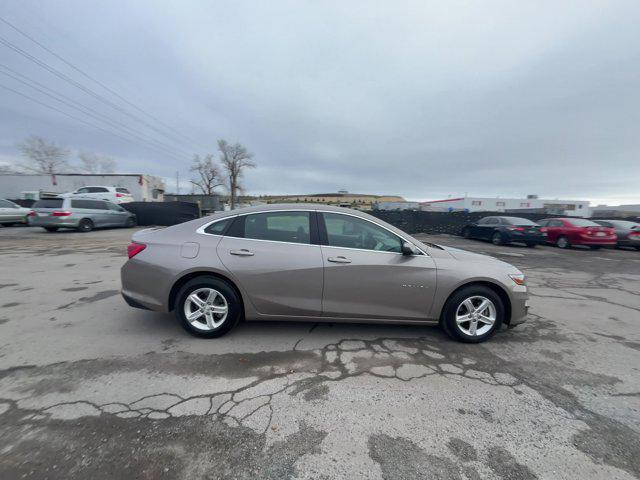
<point x="628" y="232"/>
<point x="11" y="213"/>
<point x="501" y="230"/>
<point x="83" y="214"/>
<point x="565" y="232"/>
<point x="331" y="264"/>
<point x="111" y="194"/>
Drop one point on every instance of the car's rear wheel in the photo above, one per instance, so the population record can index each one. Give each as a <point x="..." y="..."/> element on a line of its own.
<point x="466" y="232"/>
<point x="51" y="229"/>
<point x="563" y="242"/>
<point x="85" y="225"/>
<point x="208" y="307"/>
<point x="473" y="314"/>
<point x="496" y="239"/>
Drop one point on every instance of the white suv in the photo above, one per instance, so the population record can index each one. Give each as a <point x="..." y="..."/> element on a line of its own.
<point x="112" y="194"/>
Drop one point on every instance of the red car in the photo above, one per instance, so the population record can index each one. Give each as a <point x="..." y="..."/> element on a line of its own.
<point x="565" y="232"/>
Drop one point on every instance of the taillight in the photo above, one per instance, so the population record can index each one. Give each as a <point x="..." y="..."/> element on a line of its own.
<point x="119" y="195"/>
<point x="634" y="234"/>
<point x="543" y="229"/>
<point x="32" y="214"/>
<point x="135" y="248"/>
<point x="517" y="229"/>
<point x="61" y="213"/>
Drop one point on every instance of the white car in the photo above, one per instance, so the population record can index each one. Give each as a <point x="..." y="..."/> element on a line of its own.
<point x="11" y="213"/>
<point x="111" y="194"/>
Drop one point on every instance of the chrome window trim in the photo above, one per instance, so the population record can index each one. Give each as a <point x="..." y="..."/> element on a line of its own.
<point x="201" y="230"/>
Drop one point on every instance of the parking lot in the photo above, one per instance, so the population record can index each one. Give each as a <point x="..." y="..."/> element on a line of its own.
<point x="91" y="388"/>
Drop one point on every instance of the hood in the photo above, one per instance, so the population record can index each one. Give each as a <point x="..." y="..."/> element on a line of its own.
<point x="466" y="256"/>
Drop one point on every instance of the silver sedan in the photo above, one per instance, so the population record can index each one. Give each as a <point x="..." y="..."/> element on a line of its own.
<point x="316" y="264"/>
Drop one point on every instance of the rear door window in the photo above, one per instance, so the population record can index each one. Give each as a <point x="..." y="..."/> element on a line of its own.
<point x="291" y="227"/>
<point x="89" y="204"/>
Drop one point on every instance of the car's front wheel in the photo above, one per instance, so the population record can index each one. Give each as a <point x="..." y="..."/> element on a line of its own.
<point x="473" y="314"/>
<point x="208" y="307"/>
<point x="496" y="239"/>
<point x="466" y="232"/>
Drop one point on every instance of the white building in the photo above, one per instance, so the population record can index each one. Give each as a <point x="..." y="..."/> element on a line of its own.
<point x="396" y="206"/>
<point x="573" y="208"/>
<point x="144" y="188"/>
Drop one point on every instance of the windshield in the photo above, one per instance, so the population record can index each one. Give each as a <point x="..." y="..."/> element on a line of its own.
<point x="519" y="221"/>
<point x="48" y="203"/>
<point x="581" y="222"/>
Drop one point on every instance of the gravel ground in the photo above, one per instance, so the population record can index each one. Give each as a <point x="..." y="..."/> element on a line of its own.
<point x="90" y="388"/>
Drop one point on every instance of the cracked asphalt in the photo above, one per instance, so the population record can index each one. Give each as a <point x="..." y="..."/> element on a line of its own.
<point x="90" y="388"/>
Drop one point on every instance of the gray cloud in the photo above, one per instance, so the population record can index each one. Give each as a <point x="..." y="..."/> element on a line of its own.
<point x="421" y="99"/>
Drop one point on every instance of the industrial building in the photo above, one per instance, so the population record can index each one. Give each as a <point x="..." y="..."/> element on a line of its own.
<point x="342" y="198"/>
<point x="531" y="204"/>
<point x="144" y="188"/>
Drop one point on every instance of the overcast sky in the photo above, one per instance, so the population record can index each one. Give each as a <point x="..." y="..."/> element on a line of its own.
<point x="420" y="99"/>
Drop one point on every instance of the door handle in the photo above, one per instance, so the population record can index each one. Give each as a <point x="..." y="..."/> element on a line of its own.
<point x="241" y="253"/>
<point x="339" y="259"/>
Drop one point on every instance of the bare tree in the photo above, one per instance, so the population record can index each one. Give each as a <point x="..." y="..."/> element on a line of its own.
<point x="235" y="158"/>
<point x="94" y="163"/>
<point x="208" y="174"/>
<point x="43" y="156"/>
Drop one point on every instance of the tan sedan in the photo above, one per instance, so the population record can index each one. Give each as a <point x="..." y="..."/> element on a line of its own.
<point x="316" y="263"/>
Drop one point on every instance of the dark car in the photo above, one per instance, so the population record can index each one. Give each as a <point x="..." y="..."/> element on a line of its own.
<point x="565" y="232"/>
<point x="502" y="230"/>
<point x="628" y="232"/>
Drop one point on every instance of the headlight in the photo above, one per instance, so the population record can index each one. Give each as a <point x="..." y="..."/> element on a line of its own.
<point x="518" y="278"/>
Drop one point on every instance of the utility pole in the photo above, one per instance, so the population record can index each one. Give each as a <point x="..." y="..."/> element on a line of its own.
<point x="178" y="183"/>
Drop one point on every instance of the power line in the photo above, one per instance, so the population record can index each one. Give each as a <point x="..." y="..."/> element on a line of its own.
<point x="28" y="97"/>
<point x="85" y="110"/>
<point x="93" y="79"/>
<point x="73" y="82"/>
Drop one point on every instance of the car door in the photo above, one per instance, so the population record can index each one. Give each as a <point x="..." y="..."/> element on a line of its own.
<point x="276" y="258"/>
<point x="554" y="230"/>
<point x="8" y="212"/>
<point x="366" y="276"/>
<point x="99" y="213"/>
<point x="117" y="215"/>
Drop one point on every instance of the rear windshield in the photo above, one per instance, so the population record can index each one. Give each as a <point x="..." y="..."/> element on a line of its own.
<point x="122" y="190"/>
<point x="519" y="221"/>
<point x="581" y="222"/>
<point x="48" y="203"/>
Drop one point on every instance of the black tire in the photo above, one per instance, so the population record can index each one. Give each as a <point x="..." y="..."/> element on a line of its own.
<point x="466" y="232"/>
<point x="531" y="245"/>
<point x="448" y="318"/>
<point x="131" y="222"/>
<point x="563" y="242"/>
<point x="595" y="247"/>
<point x="234" y="305"/>
<point x="85" y="225"/>
<point x="51" y="229"/>
<point x="496" y="239"/>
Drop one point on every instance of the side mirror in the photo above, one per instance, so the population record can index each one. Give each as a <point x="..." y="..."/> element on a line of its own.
<point x="409" y="249"/>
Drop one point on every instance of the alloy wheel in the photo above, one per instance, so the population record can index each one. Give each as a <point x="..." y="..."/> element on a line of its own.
<point x="476" y="315"/>
<point x="206" y="309"/>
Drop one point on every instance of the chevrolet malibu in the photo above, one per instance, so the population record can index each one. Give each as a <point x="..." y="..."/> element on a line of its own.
<point x="316" y="264"/>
